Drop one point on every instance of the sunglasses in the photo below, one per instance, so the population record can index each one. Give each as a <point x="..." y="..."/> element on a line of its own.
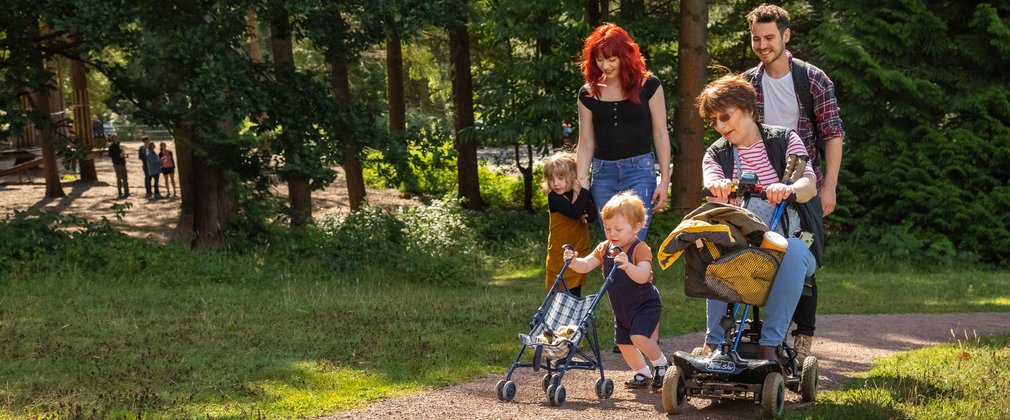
<point x="724" y="118"/>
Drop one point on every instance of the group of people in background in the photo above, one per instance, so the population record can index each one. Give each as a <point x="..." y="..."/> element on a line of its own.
<point x="155" y="163"/>
<point x="782" y="106"/>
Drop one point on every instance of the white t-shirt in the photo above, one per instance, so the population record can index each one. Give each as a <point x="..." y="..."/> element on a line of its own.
<point x="781" y="106"/>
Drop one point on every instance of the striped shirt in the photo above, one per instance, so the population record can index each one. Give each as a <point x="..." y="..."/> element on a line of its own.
<point x="755" y="159"/>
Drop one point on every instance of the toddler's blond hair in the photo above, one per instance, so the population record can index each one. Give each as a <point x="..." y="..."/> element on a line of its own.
<point x="560" y="163"/>
<point x="627" y="204"/>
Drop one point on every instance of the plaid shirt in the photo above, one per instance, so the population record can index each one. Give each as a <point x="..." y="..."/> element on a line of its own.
<point x="826" y="111"/>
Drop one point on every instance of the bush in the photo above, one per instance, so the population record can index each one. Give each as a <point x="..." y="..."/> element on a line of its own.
<point x="47" y="239"/>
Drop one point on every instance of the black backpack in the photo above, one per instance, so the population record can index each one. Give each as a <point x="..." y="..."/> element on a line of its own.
<point x="801" y="83"/>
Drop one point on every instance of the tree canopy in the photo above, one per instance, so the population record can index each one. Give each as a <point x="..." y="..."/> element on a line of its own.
<point x="922" y="86"/>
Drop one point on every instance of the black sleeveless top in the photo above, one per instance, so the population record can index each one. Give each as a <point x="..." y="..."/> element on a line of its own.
<point x="623" y="129"/>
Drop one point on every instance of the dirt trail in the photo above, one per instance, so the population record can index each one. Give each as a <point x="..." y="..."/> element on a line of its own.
<point x="155" y="219"/>
<point x="845" y="345"/>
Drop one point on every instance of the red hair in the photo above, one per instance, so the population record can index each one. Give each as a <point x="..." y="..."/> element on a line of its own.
<point x="609" y="40"/>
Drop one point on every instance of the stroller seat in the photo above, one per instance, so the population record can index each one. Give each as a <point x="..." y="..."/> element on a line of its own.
<point x="565" y="309"/>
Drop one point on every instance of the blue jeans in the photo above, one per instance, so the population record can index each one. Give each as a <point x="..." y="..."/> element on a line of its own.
<point x="797" y="264"/>
<point x="636" y="173"/>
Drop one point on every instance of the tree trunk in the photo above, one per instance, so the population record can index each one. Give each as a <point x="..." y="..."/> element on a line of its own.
<point x="41" y="105"/>
<point x="352" y="164"/>
<point x="299" y="189"/>
<point x="184" y="166"/>
<point x="690" y="130"/>
<point x="252" y="26"/>
<point x="462" y="123"/>
<point x="593" y="13"/>
<point x="527" y="173"/>
<point x="212" y="198"/>
<point x="49" y="161"/>
<point x="394" y="84"/>
<point x="82" y="119"/>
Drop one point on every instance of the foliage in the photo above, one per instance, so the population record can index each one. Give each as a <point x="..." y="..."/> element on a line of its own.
<point x="939" y="154"/>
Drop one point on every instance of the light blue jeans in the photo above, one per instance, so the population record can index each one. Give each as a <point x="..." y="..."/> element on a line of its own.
<point x="797" y="264"/>
<point x="636" y="173"/>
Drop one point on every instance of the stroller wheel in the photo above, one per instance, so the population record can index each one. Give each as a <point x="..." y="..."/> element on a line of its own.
<point x="604" y="388"/>
<point x="506" y="390"/>
<point x="674" y="390"/>
<point x="808" y="380"/>
<point x="773" y="394"/>
<point x="548" y="380"/>
<point x="499" y="390"/>
<point x="556" y="394"/>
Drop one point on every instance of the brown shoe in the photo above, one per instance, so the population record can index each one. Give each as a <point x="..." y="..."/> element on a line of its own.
<point x="802" y="344"/>
<point x="704" y="350"/>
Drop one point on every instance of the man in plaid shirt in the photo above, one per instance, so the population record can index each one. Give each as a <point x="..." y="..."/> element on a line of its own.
<point x="779" y="103"/>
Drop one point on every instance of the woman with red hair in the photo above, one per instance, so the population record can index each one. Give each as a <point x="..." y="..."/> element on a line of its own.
<point x="621" y="108"/>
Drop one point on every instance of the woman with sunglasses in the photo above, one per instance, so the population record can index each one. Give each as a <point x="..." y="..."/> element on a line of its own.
<point x="729" y="105"/>
<point x="622" y="114"/>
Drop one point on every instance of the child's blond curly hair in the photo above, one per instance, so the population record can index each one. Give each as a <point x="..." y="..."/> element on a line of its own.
<point x="560" y="163"/>
<point x="627" y="204"/>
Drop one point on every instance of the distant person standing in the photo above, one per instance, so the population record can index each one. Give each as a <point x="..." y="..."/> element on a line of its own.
<point x="168" y="170"/>
<point x="98" y="131"/>
<point x="142" y="155"/>
<point x="795" y="94"/>
<point x="153" y="169"/>
<point x="118" y="156"/>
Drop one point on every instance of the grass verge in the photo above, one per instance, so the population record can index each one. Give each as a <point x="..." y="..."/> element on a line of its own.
<point x="967" y="379"/>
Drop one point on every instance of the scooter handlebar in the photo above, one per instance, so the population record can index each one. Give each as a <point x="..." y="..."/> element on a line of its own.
<point x="756" y="193"/>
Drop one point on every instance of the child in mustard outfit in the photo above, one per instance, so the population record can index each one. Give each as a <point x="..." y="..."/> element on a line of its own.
<point x="571" y="210"/>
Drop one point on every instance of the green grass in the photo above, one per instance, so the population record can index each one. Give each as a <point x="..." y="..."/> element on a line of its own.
<point x="969" y="379"/>
<point x="118" y="327"/>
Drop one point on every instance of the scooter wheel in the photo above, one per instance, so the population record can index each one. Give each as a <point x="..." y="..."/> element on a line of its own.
<point x="773" y="395"/>
<point x="674" y="390"/>
<point x="808" y="380"/>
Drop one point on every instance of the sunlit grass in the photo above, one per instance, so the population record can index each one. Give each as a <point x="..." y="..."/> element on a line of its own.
<point x="967" y="379"/>
<point x="123" y="328"/>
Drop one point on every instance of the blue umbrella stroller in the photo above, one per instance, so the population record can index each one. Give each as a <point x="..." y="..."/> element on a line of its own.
<point x="562" y="313"/>
<point x="734" y="371"/>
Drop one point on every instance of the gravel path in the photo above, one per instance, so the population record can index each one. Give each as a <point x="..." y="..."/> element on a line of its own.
<point x="154" y="219"/>
<point x="845" y="346"/>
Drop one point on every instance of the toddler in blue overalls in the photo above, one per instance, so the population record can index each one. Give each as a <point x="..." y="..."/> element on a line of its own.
<point x="633" y="296"/>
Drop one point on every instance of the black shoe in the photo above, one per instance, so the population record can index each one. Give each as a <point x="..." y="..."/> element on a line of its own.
<point x="617" y="349"/>
<point x="657" y="378"/>
<point x="639" y="381"/>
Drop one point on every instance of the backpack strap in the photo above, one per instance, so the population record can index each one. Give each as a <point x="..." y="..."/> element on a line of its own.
<point x="801" y="83"/>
